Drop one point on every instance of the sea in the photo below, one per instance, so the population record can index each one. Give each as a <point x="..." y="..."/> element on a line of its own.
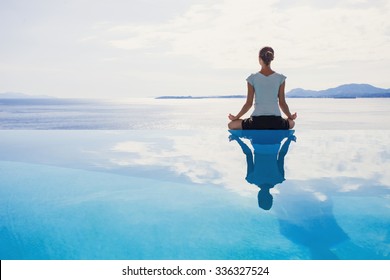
<point x="205" y="114"/>
<point x="164" y="179"/>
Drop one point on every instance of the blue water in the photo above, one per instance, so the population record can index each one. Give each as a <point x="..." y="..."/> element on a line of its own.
<point x="148" y="113"/>
<point x="191" y="194"/>
<point x="165" y="179"/>
<point x="75" y="114"/>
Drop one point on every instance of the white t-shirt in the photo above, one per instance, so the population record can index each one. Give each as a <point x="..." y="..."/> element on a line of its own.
<point x="266" y="93"/>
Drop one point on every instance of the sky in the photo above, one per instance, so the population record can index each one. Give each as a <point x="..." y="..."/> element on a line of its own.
<point x="148" y="48"/>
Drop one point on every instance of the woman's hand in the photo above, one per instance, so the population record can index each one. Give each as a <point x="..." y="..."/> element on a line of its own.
<point x="293" y="116"/>
<point x="233" y="137"/>
<point x="232" y="118"/>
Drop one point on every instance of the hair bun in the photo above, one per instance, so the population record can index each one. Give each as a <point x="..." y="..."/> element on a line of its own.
<point x="267" y="55"/>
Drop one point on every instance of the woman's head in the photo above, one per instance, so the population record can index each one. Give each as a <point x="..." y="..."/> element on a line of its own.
<point x="265" y="198"/>
<point x="267" y="55"/>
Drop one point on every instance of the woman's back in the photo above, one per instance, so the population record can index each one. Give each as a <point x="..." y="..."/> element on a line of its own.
<point x="266" y="93"/>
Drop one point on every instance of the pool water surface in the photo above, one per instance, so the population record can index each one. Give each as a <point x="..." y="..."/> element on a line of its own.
<point x="188" y="194"/>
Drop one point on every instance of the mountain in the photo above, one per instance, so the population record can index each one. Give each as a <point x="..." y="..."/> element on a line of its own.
<point x="200" y="97"/>
<point x="343" y="91"/>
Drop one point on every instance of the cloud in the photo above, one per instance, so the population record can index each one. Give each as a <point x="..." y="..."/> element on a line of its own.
<point x="208" y="163"/>
<point x="144" y="48"/>
<point x="341" y="155"/>
<point x="319" y="162"/>
<point x="131" y="147"/>
<point x="229" y="33"/>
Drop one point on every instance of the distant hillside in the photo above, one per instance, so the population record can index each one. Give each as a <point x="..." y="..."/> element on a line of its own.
<point x="200" y="97"/>
<point x="343" y="91"/>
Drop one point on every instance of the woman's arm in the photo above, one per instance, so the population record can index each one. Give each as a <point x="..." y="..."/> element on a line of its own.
<point x="250" y="166"/>
<point x="248" y="104"/>
<point x="283" y="152"/>
<point x="283" y="104"/>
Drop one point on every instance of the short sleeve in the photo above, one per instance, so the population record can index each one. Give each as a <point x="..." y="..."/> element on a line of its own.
<point x="250" y="79"/>
<point x="282" y="78"/>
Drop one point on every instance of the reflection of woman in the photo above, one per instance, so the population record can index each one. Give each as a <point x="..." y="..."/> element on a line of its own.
<point x="265" y="166"/>
<point x="307" y="219"/>
<point x="266" y="88"/>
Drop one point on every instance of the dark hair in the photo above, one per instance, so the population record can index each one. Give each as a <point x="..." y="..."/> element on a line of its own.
<point x="264" y="198"/>
<point x="267" y="55"/>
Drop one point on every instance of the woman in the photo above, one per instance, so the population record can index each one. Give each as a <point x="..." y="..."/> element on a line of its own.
<point x="266" y="87"/>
